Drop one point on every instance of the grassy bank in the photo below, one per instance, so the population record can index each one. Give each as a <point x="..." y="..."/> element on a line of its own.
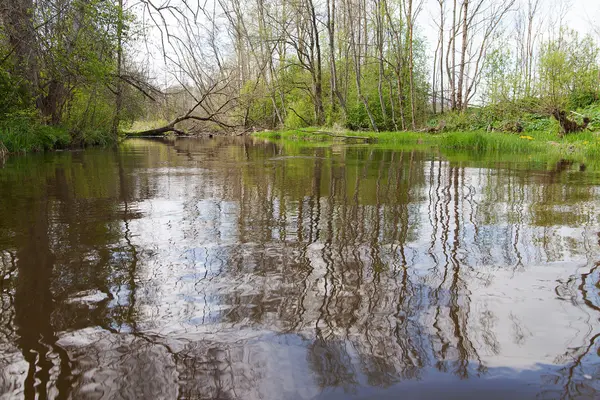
<point x="581" y="147"/>
<point x="23" y="133"/>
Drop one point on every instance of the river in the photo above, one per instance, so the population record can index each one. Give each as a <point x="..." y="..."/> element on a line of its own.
<point x="235" y="268"/>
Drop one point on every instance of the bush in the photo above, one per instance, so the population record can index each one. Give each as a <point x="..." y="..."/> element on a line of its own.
<point x="22" y="131"/>
<point x="304" y="109"/>
<point x="89" y="117"/>
<point x="357" y="118"/>
<point x="12" y="96"/>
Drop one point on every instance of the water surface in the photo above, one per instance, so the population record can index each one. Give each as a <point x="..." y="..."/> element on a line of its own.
<point x="241" y="269"/>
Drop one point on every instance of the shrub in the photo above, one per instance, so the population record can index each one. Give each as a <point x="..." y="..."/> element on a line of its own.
<point x="22" y="131"/>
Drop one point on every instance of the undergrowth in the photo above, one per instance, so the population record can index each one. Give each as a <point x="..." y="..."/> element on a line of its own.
<point x="22" y="132"/>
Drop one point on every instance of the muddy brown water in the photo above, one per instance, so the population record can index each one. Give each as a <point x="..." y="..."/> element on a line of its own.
<point x="241" y="269"/>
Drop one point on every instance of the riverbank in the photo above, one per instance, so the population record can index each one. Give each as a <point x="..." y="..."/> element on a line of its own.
<point x="583" y="147"/>
<point x="26" y="134"/>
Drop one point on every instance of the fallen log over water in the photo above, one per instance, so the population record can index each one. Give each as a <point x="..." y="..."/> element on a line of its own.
<point x="211" y="113"/>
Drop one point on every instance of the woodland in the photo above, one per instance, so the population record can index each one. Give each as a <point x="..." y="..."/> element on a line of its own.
<point x="87" y="72"/>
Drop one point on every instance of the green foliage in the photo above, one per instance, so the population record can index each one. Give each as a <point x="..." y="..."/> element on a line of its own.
<point x="76" y="78"/>
<point x="294" y="83"/>
<point x="13" y="97"/>
<point x="257" y="102"/>
<point x="300" y="114"/>
<point x="89" y="117"/>
<point x="510" y="117"/>
<point x="569" y="71"/>
<point x="22" y="131"/>
<point x="357" y="118"/>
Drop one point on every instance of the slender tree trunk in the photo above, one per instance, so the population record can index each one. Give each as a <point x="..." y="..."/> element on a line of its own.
<point x="400" y="97"/>
<point x="411" y="83"/>
<point x="379" y="19"/>
<point x="332" y="69"/>
<point x="357" y="66"/>
<point x="119" y="84"/>
<point x="318" y="73"/>
<point x="398" y="67"/>
<point x="434" y="79"/>
<point x="452" y="52"/>
<point x="462" y="103"/>
<point x="442" y="101"/>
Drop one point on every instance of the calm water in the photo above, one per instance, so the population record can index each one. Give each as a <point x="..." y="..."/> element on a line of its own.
<point x="237" y="269"/>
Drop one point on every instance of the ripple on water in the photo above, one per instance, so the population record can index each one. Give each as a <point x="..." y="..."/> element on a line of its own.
<point x="238" y="269"/>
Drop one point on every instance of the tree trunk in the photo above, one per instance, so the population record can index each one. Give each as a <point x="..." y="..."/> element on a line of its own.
<point x="318" y="74"/>
<point x="335" y="93"/>
<point x="461" y="103"/>
<point x="441" y="55"/>
<point x="18" y="24"/>
<point x="119" y="83"/>
<point x="411" y="63"/>
<point x="380" y="44"/>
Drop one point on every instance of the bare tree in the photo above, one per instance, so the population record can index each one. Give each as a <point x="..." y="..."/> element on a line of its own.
<point x="193" y="53"/>
<point x="476" y="22"/>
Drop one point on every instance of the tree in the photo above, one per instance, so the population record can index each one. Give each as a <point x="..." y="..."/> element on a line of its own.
<point x="569" y="76"/>
<point x="68" y="58"/>
<point x="475" y="22"/>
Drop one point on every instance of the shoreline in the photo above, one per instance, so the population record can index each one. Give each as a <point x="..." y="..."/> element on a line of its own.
<point x="582" y="147"/>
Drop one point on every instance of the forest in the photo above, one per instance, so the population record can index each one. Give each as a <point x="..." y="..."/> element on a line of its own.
<point x="87" y="72"/>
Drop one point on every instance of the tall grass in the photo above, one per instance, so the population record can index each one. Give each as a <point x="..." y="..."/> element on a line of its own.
<point x="490" y="142"/>
<point x="472" y="140"/>
<point x="24" y="133"/>
<point x="581" y="147"/>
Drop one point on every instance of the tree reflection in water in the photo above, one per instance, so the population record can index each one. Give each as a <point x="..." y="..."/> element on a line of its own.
<point x="235" y="269"/>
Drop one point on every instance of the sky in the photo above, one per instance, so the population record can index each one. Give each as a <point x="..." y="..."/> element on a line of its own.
<point x="580" y="15"/>
<point x="583" y="14"/>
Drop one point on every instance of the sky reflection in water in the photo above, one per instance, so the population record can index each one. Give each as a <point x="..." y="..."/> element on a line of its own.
<point x="239" y="269"/>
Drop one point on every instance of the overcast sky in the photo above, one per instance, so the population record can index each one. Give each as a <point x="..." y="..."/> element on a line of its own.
<point x="581" y="15"/>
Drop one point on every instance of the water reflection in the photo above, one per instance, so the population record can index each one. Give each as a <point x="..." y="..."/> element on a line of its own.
<point x="234" y="269"/>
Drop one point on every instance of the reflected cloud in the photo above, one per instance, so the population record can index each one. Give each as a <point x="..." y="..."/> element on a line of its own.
<point x="240" y="269"/>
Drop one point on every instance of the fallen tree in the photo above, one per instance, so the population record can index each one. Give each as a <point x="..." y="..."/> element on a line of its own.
<point x="213" y="104"/>
<point x="172" y="128"/>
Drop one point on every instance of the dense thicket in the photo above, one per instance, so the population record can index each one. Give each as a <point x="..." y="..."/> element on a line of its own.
<point x="62" y="71"/>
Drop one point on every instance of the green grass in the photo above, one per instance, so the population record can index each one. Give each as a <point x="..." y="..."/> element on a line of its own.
<point x="21" y="133"/>
<point x="144" y="125"/>
<point x="24" y="132"/>
<point x="581" y="147"/>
